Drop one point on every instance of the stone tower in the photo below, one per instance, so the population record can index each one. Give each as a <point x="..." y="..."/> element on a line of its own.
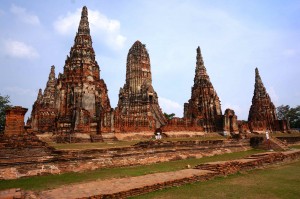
<point x="43" y="110"/>
<point x="81" y="94"/>
<point x="204" y="104"/>
<point x="138" y="108"/>
<point x="77" y="99"/>
<point x="262" y="113"/>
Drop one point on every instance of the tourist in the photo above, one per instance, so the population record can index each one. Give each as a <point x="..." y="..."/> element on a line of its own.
<point x="268" y="140"/>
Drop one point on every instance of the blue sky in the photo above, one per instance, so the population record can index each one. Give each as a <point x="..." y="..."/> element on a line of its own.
<point x="235" y="36"/>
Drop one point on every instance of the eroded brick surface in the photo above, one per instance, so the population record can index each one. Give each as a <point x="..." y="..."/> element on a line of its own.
<point x="14" y="121"/>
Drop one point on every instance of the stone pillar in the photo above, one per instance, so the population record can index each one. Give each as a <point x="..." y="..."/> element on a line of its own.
<point x="14" y="124"/>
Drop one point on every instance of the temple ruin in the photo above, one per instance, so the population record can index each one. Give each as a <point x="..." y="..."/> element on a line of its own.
<point x="77" y="100"/>
<point x="204" y="104"/>
<point x="262" y="114"/>
<point x="138" y="108"/>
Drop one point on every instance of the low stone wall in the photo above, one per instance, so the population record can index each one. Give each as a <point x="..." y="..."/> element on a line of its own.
<point x="254" y="161"/>
<point x="170" y="134"/>
<point x="217" y="169"/>
<point x="290" y="140"/>
<point x="141" y="154"/>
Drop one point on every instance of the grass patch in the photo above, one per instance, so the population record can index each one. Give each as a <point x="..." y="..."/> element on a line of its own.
<point x="52" y="181"/>
<point x="276" y="182"/>
<point x="97" y="145"/>
<point x="116" y="144"/>
<point x="295" y="146"/>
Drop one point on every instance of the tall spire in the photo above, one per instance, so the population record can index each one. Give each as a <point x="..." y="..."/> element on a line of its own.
<point x="82" y="50"/>
<point x="138" y="105"/>
<point x="84" y="23"/>
<point x="259" y="88"/>
<point x="49" y="92"/>
<point x="204" y="102"/>
<point x="262" y="112"/>
<point x="200" y="72"/>
<point x="40" y="95"/>
<point x="138" y="68"/>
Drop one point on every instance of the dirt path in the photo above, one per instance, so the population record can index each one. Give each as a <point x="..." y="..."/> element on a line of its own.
<point x="112" y="186"/>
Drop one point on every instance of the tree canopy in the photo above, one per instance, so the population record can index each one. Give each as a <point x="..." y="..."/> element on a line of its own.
<point x="4" y="104"/>
<point x="169" y="116"/>
<point x="285" y="112"/>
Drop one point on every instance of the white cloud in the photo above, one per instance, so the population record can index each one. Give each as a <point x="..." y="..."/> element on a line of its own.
<point x="24" y="16"/>
<point x="273" y="95"/>
<point x="20" y="50"/>
<point x="170" y="106"/>
<point x="289" y="52"/>
<point x="241" y="113"/>
<point x="20" y="91"/>
<point x="105" y="29"/>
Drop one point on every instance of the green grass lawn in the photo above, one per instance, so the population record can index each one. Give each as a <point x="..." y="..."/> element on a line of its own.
<point x="96" y="145"/>
<point x="295" y="146"/>
<point x="275" y="182"/>
<point x="52" y="181"/>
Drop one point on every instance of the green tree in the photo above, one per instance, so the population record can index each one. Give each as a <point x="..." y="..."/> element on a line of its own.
<point x="4" y="104"/>
<point x="282" y="112"/>
<point x="169" y="116"/>
<point x="290" y="114"/>
<point x="294" y="117"/>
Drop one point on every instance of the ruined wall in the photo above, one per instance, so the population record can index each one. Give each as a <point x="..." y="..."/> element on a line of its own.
<point x="230" y="123"/>
<point x="183" y="124"/>
<point x="14" y="121"/>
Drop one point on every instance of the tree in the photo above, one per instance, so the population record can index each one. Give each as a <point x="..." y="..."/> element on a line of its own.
<point x="4" y="104"/>
<point x="290" y="114"/>
<point x="169" y="116"/>
<point x="282" y="112"/>
<point x="294" y="117"/>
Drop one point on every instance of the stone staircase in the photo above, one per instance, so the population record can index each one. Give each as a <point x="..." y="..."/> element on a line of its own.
<point x="96" y="138"/>
<point x="157" y="115"/>
<point x="277" y="144"/>
<point x="109" y="137"/>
